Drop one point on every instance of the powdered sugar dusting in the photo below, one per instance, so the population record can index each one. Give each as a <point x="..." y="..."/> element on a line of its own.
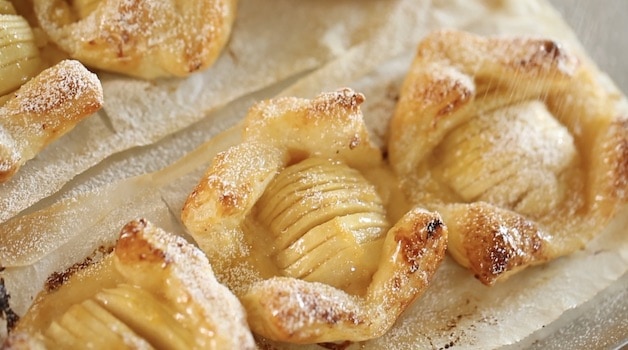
<point x="478" y="159"/>
<point x="63" y="83"/>
<point x="149" y="39"/>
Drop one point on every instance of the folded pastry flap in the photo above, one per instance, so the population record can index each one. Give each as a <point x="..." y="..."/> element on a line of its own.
<point x="329" y="126"/>
<point x="600" y="127"/>
<point x="228" y="191"/>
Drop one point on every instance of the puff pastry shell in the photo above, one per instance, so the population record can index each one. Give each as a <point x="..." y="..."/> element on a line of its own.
<point x="514" y="142"/>
<point x="317" y="262"/>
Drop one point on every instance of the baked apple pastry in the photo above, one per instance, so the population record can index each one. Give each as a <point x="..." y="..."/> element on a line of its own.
<point x="147" y="39"/>
<point x="514" y="142"/>
<point x="155" y="290"/>
<point x="302" y="222"/>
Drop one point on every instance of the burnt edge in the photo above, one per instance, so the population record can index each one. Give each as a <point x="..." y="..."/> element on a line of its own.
<point x="57" y="279"/>
<point x="5" y="308"/>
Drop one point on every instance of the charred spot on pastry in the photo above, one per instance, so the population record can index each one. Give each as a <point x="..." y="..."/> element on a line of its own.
<point x="433" y="227"/>
<point x="355" y="142"/>
<point x="57" y="279"/>
<point x="551" y="47"/>
<point x="413" y="246"/>
<point x="5" y="308"/>
<point x="336" y="346"/>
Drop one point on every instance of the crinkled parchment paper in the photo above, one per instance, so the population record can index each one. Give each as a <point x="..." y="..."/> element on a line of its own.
<point x="153" y="180"/>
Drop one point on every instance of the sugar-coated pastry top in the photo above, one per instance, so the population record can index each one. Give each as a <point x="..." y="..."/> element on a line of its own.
<point x="44" y="109"/>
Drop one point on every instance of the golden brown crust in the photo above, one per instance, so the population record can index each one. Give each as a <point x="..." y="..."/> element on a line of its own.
<point x="494" y="242"/>
<point x="147" y="39"/>
<point x="132" y="248"/>
<point x="521" y="125"/>
<point x="44" y="109"/>
<point x="330" y="125"/>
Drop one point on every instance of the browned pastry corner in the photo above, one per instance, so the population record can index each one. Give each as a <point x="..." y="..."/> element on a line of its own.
<point x="514" y="142"/>
<point x="147" y="39"/>
<point x="44" y="109"/>
<point x="154" y="291"/>
<point x="296" y="223"/>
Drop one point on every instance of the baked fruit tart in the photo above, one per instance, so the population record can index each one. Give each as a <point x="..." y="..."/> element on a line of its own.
<point x="146" y="39"/>
<point x="303" y="221"/>
<point x="154" y="290"/>
<point x="514" y="142"/>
